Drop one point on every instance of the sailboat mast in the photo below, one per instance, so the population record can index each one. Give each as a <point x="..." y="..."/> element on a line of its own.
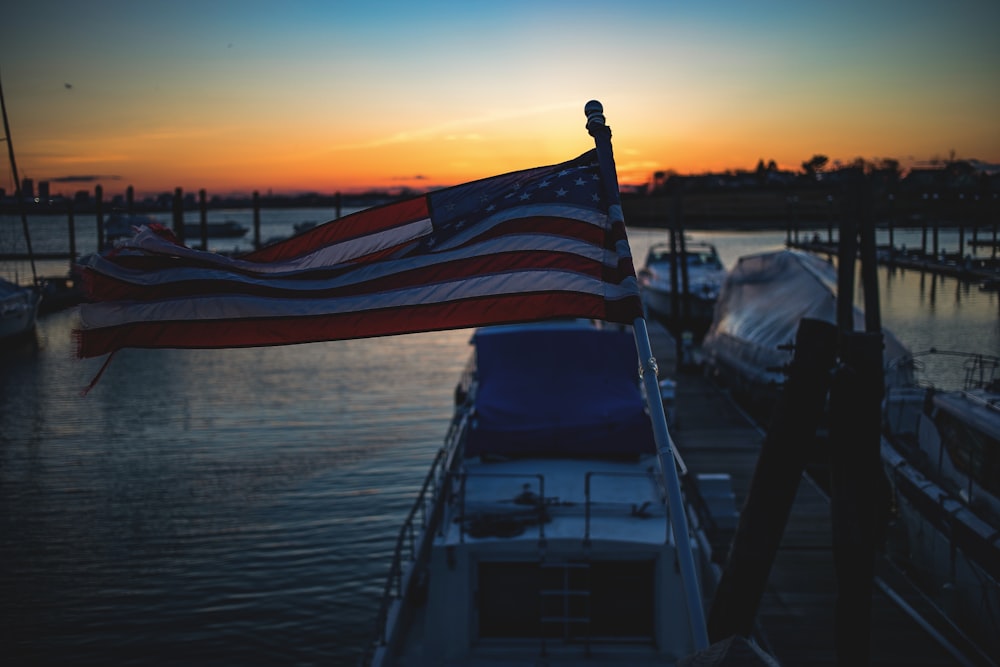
<point x="17" y="186"/>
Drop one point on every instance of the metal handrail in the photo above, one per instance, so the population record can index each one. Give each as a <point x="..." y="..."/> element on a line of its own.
<point x="428" y="495"/>
<point x="540" y="505"/>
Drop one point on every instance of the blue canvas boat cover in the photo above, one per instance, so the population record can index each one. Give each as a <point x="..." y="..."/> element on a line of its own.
<point x="558" y="391"/>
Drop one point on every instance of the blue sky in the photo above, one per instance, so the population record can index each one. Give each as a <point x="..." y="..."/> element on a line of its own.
<point x="233" y="95"/>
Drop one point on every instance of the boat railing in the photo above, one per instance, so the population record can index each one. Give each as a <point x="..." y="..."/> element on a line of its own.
<point x="413" y="540"/>
<point x="979" y="371"/>
<point x="538" y="506"/>
<point x="535" y="503"/>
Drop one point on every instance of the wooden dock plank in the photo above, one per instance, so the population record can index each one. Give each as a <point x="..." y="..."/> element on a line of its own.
<point x="796" y="613"/>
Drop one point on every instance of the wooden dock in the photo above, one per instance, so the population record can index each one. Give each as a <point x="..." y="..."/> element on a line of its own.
<point x="977" y="270"/>
<point x="797" y="612"/>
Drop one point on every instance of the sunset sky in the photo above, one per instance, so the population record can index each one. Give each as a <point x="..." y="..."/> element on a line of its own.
<point x="327" y="95"/>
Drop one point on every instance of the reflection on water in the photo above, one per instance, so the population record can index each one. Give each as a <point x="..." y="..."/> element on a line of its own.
<point x="236" y="505"/>
<point x="239" y="506"/>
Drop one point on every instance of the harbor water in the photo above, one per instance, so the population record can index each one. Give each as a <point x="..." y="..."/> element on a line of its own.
<point x="239" y="507"/>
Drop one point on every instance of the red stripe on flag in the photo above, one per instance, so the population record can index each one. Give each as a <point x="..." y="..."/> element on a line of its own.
<point x="383" y="322"/>
<point x="111" y="289"/>
<point x="360" y="224"/>
<point x="543" y="224"/>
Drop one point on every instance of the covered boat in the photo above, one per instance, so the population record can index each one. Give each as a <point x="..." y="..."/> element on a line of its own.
<point x="542" y="532"/>
<point x="228" y="229"/>
<point x="683" y="300"/>
<point x="18" y="310"/>
<point x="941" y="453"/>
<point x="763" y="299"/>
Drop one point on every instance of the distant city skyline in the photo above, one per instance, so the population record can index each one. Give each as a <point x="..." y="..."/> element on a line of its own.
<point x="320" y="96"/>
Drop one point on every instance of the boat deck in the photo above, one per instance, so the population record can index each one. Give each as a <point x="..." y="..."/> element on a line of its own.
<point x="797" y="611"/>
<point x="580" y="499"/>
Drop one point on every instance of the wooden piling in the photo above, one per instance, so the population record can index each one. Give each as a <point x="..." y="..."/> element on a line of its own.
<point x="71" y="224"/>
<point x="675" y="301"/>
<point x="203" y="218"/>
<point x="179" y="215"/>
<point x="860" y="496"/>
<point x="788" y="446"/>
<point x="256" y="219"/>
<point x="102" y="239"/>
<point x="859" y="492"/>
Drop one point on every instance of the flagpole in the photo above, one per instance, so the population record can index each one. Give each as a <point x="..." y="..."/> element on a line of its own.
<point x="598" y="129"/>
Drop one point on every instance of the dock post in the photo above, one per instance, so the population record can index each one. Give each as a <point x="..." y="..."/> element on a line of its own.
<point x="890" y="221"/>
<point x="256" y="219"/>
<point x="783" y="456"/>
<point x="203" y="217"/>
<point x="829" y="219"/>
<point x="99" y="211"/>
<point x="935" y="224"/>
<point x="680" y="259"/>
<point x="859" y="490"/>
<point x="71" y="229"/>
<point x="993" y="214"/>
<point x="675" y="282"/>
<point x="336" y="201"/>
<point x="130" y="200"/>
<point x="179" y="215"/>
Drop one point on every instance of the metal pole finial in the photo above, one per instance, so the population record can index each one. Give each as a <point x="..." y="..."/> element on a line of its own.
<point x="594" y="111"/>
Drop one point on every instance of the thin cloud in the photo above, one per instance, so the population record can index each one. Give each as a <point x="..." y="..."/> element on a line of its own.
<point x="84" y="178"/>
<point x="451" y="129"/>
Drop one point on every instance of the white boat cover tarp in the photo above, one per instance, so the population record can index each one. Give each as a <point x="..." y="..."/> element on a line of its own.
<point x="763" y="299"/>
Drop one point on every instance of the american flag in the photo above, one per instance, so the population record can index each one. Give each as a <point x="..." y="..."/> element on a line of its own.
<point x="524" y="246"/>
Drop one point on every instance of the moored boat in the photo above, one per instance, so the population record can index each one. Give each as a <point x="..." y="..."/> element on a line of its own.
<point x="543" y="532"/>
<point x="18" y="310"/>
<point x="122" y="225"/>
<point x="941" y="453"/>
<point x="119" y="225"/>
<point x="685" y="300"/>
<point x="228" y="229"/>
<point x="763" y="299"/>
<point x="18" y="303"/>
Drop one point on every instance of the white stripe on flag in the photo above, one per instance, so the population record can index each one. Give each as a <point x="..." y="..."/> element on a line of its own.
<point x="225" y="307"/>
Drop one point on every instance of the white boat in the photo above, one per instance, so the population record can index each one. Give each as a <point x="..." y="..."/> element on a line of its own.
<point x="18" y="303"/>
<point x="695" y="308"/>
<point x="941" y="453"/>
<point x="542" y="533"/>
<point x="120" y="225"/>
<point x="228" y="229"/>
<point x="763" y="299"/>
<point x="18" y="310"/>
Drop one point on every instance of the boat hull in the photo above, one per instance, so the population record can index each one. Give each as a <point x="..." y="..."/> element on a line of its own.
<point x="543" y="529"/>
<point x="18" y="311"/>
<point x="694" y="316"/>
<point x="951" y="553"/>
<point x="763" y="300"/>
<point x="216" y="230"/>
<point x="694" y="310"/>
<point x="940" y="451"/>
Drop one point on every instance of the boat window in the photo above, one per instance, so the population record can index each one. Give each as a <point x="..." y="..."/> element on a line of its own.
<point x="573" y="601"/>
<point x="972" y="452"/>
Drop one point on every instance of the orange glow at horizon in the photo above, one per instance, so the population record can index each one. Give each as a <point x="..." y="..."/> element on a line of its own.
<point x="232" y="99"/>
